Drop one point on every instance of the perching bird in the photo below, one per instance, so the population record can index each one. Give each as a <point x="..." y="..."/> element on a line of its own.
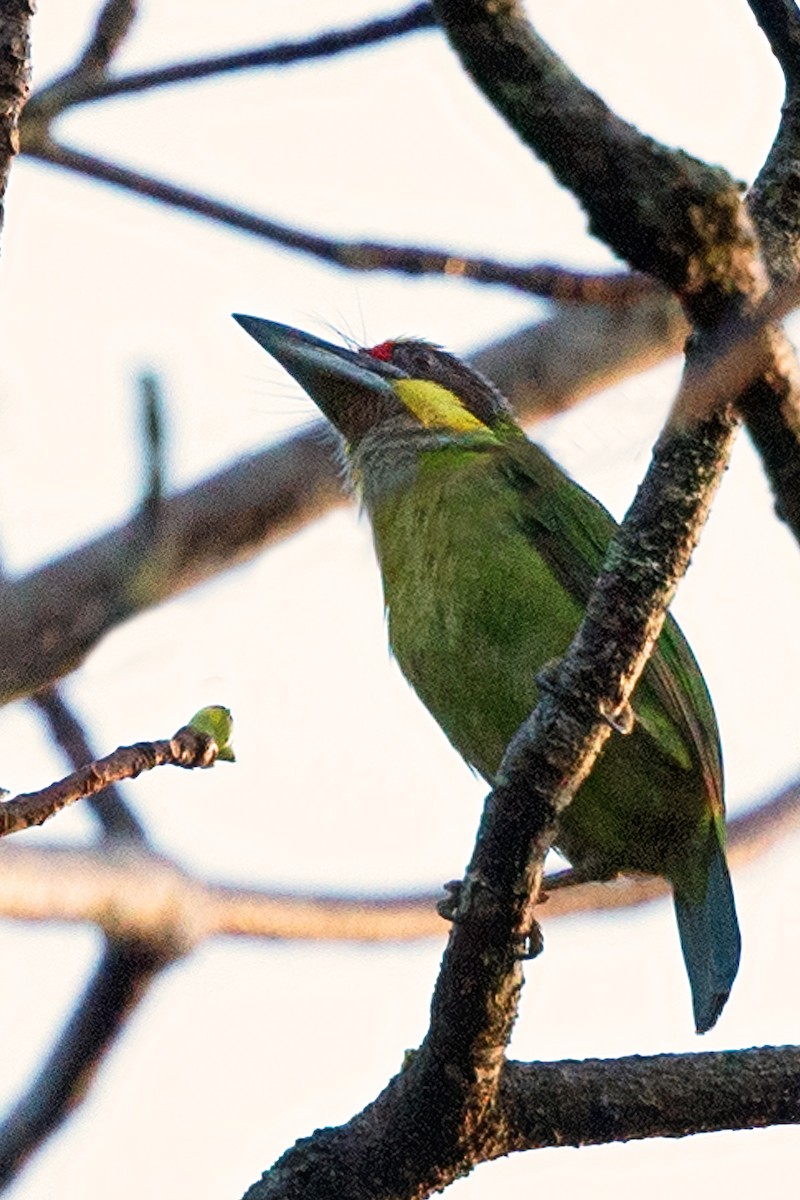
<point x="488" y="553"/>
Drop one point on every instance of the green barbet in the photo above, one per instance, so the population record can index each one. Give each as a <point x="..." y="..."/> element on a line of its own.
<point x="488" y="553"/>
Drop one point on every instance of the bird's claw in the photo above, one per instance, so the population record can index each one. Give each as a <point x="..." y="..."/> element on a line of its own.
<point x="449" y="904"/>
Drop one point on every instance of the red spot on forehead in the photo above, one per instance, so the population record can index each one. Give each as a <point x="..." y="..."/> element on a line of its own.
<point x="383" y="351"/>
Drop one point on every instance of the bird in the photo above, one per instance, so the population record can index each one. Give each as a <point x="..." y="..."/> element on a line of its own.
<point x="488" y="552"/>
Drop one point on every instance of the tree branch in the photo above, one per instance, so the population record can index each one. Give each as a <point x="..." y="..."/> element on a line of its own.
<point x="108" y="806"/>
<point x="81" y="85"/>
<point x="543" y="280"/>
<point x="122" y="976"/>
<point x="15" y="73"/>
<point x="135" y="892"/>
<point x="187" y="748"/>
<point x="772" y="409"/>
<point x="667" y="213"/>
<point x="666" y="1095"/>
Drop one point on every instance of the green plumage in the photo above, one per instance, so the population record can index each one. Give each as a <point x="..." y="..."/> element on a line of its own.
<point x="488" y="552"/>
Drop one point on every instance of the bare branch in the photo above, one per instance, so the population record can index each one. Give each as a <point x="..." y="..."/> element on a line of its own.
<point x="187" y="748"/>
<point x="667" y="1095"/>
<point x="134" y="892"/>
<point x="125" y="971"/>
<point x="325" y="45"/>
<point x="108" y="806"/>
<point x="772" y="409"/>
<point x="15" y="74"/>
<point x="113" y="24"/>
<point x="556" y="364"/>
<point x="544" y="280"/>
<point x="780" y="22"/>
<point x="120" y="980"/>
<point x="667" y="213"/>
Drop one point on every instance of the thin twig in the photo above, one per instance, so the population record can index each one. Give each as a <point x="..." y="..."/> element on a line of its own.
<point x="418" y="18"/>
<point x="109" y="807"/>
<point x="187" y="748"/>
<point x="113" y="24"/>
<point x="542" y="280"/>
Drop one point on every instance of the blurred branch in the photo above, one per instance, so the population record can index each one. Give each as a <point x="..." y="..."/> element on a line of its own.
<point x="120" y="979"/>
<point x="15" y="74"/>
<point x="53" y="616"/>
<point x="549" y="367"/>
<point x="123" y="974"/>
<point x="80" y="86"/>
<point x="136" y="893"/>
<point x="108" y="806"/>
<point x="187" y="748"/>
<point x="668" y="214"/>
<point x="155" y="473"/>
<point x="113" y="24"/>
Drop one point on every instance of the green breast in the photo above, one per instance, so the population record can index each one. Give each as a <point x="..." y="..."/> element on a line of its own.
<point x="474" y="613"/>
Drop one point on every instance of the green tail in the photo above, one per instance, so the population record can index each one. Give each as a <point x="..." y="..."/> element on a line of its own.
<point x="710" y="941"/>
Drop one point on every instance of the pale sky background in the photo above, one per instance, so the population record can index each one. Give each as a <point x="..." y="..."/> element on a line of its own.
<point x="342" y="779"/>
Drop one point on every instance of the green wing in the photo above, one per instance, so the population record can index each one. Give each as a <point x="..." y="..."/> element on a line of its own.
<point x="571" y="530"/>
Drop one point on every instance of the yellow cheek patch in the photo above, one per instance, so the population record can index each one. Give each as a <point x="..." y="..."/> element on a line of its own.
<point x="437" y="408"/>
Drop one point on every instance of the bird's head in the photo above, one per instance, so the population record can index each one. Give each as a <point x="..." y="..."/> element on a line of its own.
<point x="398" y="386"/>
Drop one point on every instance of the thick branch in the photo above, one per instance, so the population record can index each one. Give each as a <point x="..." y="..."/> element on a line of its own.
<point x="772" y="409"/>
<point x="15" y="72"/>
<point x="665" y="212"/>
<point x="52" y="617"/>
<point x="669" y="1095"/>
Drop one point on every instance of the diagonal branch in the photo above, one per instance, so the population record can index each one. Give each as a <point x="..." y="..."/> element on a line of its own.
<point x="83" y="88"/>
<point x="121" y="977"/>
<point x="189" y="748"/>
<point x="772" y="412"/>
<point x="115" y="817"/>
<point x="543" y="280"/>
<point x="666" y="212"/>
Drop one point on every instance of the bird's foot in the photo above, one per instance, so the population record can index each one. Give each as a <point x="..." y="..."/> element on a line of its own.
<point x="531" y="944"/>
<point x="621" y="719"/>
<point x="546" y="676"/>
<point x="448" y="906"/>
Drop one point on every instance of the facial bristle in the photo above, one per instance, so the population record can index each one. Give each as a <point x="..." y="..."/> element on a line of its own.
<point x="383" y="351"/>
